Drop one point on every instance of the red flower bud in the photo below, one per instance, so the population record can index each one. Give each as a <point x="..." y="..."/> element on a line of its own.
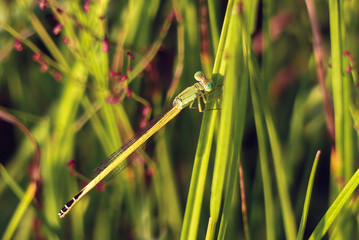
<point x="18" y="45"/>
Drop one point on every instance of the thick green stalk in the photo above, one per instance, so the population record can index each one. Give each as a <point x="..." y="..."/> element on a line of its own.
<point x="337" y="78"/>
<point x="195" y="195"/>
<point x="228" y="109"/>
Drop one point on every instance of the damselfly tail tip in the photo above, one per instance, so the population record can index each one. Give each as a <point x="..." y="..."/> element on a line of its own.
<point x="63" y="212"/>
<point x="60" y="214"/>
<point x="69" y="205"/>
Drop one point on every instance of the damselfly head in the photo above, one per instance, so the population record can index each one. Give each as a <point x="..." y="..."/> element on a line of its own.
<point x="199" y="76"/>
<point x="204" y="80"/>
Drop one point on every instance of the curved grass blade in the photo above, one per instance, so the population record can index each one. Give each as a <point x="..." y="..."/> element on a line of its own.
<point x="307" y="198"/>
<point x="336" y="207"/>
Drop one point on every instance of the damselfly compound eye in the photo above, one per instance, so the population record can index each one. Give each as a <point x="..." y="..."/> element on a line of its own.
<point x="208" y="87"/>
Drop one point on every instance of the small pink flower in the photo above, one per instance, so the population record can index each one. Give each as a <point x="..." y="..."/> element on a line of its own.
<point x="105" y="45"/>
<point x="65" y="40"/>
<point x="44" y="67"/>
<point x="348" y="69"/>
<point x="112" y="100"/>
<point x="129" y="93"/>
<point x="171" y="15"/>
<point x="109" y="100"/>
<point x="143" y="123"/>
<point x="18" y="45"/>
<point x="57" y="29"/>
<point x="129" y="69"/>
<point x="112" y="73"/>
<point x="57" y="75"/>
<point x="86" y="6"/>
<point x="146" y="110"/>
<point x="71" y="163"/>
<point x="351" y="59"/>
<point x="130" y="55"/>
<point x="346" y="53"/>
<point x="36" y="57"/>
<point x="84" y="183"/>
<point x="124" y="77"/>
<point x="101" y="187"/>
<point x="42" y="4"/>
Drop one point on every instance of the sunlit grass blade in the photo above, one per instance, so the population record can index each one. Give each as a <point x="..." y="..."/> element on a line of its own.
<point x="212" y="6"/>
<point x="20" y="211"/>
<point x="338" y="205"/>
<point x="264" y="164"/>
<point x="236" y="73"/>
<point x="307" y="198"/>
<point x="223" y="158"/>
<point x="199" y="172"/>
<point x="337" y="79"/>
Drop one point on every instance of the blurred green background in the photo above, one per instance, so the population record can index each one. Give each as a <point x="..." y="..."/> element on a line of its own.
<point x="83" y="76"/>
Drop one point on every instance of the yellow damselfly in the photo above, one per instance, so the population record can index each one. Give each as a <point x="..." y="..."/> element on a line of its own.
<point x="119" y="159"/>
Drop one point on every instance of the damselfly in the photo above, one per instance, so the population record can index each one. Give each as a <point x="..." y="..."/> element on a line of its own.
<point x="119" y="159"/>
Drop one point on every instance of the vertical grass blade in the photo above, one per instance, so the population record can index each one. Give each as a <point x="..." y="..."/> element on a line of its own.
<point x="264" y="164"/>
<point x="236" y="72"/>
<point x="225" y="133"/>
<point x="307" y="198"/>
<point x="259" y="94"/>
<point x="195" y="195"/>
<point x="337" y="77"/>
